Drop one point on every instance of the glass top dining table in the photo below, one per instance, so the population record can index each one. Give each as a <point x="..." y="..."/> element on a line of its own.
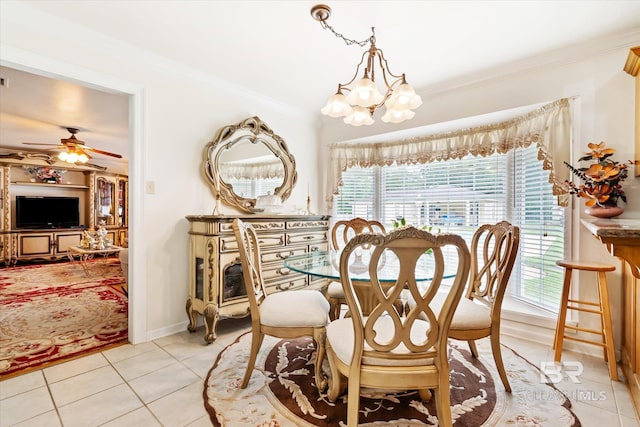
<point x="327" y="264"/>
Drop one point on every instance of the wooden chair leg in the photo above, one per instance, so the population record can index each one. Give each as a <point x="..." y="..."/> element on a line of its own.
<point x="334" y="308"/>
<point x="608" y="328"/>
<point x="473" y="348"/>
<point x="443" y="401"/>
<point x="256" y="342"/>
<point x="353" y="403"/>
<point x="497" y="357"/>
<point x="562" y="316"/>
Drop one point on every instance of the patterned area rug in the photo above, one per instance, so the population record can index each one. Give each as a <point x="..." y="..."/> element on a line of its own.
<point x="54" y="312"/>
<point x="282" y="392"/>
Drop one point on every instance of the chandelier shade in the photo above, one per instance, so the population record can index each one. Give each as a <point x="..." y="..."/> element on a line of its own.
<point x="362" y="97"/>
<point x="337" y="106"/>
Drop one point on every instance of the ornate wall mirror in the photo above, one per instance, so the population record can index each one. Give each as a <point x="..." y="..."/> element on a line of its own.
<point x="247" y="160"/>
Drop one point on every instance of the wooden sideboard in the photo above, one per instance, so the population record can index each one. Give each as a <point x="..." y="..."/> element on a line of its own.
<point x="216" y="287"/>
<point x="622" y="238"/>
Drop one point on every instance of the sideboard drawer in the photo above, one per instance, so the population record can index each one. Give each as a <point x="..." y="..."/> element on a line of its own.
<point x="282" y="254"/>
<point x="297" y="282"/>
<point x="228" y="244"/>
<point x="301" y="238"/>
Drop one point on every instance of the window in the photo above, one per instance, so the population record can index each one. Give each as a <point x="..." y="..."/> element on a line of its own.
<point x="458" y="195"/>
<point x="252" y="188"/>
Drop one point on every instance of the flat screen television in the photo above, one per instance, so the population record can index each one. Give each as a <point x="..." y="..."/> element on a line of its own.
<point x="47" y="212"/>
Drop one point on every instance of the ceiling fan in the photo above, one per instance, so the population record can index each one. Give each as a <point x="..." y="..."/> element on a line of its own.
<point x="75" y="150"/>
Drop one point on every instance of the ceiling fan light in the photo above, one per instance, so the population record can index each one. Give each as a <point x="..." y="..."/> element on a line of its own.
<point x="337" y="106"/>
<point x="359" y="117"/>
<point x="63" y="156"/>
<point x="73" y="157"/>
<point x="83" y="158"/>
<point x="364" y="93"/>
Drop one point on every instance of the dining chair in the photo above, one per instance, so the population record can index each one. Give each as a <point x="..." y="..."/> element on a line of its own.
<point x="494" y="248"/>
<point x="389" y="349"/>
<point x="285" y="314"/>
<point x="341" y="232"/>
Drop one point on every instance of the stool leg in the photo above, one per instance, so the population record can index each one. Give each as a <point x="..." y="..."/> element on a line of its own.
<point x="608" y="329"/>
<point x="562" y="315"/>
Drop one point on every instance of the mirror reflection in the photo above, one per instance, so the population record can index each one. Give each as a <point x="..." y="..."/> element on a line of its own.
<point x="251" y="169"/>
<point x="247" y="160"/>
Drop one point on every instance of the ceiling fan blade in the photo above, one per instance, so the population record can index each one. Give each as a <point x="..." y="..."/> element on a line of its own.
<point x="38" y="143"/>
<point x="106" y="153"/>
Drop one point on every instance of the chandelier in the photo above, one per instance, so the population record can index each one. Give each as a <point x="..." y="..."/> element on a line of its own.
<point x="363" y="98"/>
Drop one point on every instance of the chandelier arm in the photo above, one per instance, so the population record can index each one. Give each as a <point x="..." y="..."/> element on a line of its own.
<point x="386" y="65"/>
<point x="385" y="71"/>
<point x="344" y="85"/>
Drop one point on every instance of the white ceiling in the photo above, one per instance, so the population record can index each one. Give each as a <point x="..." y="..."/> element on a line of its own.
<point x="275" y="49"/>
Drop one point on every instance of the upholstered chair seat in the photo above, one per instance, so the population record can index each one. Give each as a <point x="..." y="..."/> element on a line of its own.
<point x="340" y="334"/>
<point x="469" y="314"/>
<point x="303" y="308"/>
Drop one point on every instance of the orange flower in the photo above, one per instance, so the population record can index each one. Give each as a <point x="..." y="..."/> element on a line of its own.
<point x="602" y="179"/>
<point x="598" y="151"/>
<point x="600" y="173"/>
<point x="597" y="194"/>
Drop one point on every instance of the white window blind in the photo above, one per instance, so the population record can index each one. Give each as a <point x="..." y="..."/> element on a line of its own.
<point x="252" y="188"/>
<point x="458" y="195"/>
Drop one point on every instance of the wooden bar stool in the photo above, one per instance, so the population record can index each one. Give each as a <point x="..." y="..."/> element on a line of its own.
<point x="601" y="308"/>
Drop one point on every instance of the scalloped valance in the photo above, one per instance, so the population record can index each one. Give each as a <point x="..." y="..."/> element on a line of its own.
<point x="549" y="127"/>
<point x="252" y="170"/>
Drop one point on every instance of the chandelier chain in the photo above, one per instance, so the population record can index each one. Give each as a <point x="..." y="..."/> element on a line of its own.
<point x="348" y="41"/>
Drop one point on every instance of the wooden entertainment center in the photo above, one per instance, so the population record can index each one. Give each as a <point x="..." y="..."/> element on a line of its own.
<point x="102" y="196"/>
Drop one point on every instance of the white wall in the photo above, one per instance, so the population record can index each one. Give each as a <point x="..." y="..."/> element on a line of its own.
<point x="604" y="112"/>
<point x="178" y="111"/>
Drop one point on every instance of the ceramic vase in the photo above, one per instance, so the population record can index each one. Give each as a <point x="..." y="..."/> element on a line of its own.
<point x="604" y="212"/>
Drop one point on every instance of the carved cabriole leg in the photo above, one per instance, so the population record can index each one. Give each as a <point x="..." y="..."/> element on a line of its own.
<point x="336" y="383"/>
<point x="192" y="315"/>
<point x="319" y="335"/>
<point x="210" y="322"/>
<point x="425" y="394"/>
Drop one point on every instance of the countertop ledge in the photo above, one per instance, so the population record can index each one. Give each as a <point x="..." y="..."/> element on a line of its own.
<point x="613" y="227"/>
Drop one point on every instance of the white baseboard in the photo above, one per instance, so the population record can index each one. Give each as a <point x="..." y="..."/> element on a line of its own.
<point x="541" y="330"/>
<point x="168" y="330"/>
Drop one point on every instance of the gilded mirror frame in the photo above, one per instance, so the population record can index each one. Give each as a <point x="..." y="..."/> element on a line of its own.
<point x="255" y="131"/>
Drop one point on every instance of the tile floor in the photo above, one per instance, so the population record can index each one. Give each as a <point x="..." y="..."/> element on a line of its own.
<point x="160" y="383"/>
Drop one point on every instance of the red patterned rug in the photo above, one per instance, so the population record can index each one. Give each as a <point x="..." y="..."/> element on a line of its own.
<point x="54" y="312"/>
<point x="282" y="392"/>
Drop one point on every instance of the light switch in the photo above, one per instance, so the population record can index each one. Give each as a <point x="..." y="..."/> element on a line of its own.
<point x="150" y="187"/>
